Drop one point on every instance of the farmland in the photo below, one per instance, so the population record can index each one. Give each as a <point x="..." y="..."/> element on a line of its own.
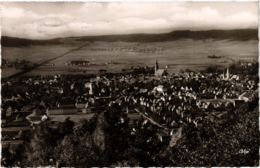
<point x="115" y="56"/>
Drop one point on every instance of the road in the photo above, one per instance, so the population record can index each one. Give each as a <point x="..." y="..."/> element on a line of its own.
<point x="47" y="61"/>
<point x="11" y="129"/>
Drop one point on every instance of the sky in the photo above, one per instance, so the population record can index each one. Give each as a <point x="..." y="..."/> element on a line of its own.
<point x="47" y="20"/>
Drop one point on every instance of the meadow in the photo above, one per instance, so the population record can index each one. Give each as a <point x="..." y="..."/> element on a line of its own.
<point x="176" y="55"/>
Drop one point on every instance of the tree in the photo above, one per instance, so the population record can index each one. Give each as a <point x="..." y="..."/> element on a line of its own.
<point x="66" y="127"/>
<point x="79" y="151"/>
<point x="41" y="147"/>
<point x="117" y="133"/>
<point x="8" y="156"/>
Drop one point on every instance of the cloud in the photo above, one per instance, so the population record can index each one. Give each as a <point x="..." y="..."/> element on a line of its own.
<point x="243" y="19"/>
<point x="16" y="13"/>
<point x="120" y="18"/>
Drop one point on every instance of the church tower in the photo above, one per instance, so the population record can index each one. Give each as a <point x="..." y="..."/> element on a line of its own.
<point x="227" y="75"/>
<point x="156" y="67"/>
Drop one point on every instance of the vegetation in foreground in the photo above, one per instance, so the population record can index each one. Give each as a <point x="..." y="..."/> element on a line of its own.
<point x="107" y="141"/>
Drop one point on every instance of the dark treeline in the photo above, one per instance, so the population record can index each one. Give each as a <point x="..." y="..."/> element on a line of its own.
<point x="20" y="42"/>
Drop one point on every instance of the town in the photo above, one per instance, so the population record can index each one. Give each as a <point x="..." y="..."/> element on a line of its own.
<point x="130" y="84"/>
<point x="165" y="103"/>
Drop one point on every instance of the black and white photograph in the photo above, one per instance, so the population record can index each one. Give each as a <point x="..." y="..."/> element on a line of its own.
<point x="129" y="84"/>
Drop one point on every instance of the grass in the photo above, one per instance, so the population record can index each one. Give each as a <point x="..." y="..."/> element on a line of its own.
<point x="180" y="54"/>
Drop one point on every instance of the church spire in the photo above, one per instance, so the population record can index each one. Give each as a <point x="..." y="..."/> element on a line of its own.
<point x="156" y="66"/>
<point x="227" y="75"/>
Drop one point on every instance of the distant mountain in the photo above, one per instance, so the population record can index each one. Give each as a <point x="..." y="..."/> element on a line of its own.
<point x="238" y="34"/>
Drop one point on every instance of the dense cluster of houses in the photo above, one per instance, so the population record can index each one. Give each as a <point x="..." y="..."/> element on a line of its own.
<point x="170" y="99"/>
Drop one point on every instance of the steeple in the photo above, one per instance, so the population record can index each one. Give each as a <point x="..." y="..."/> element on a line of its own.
<point x="227" y="75"/>
<point x="156" y="66"/>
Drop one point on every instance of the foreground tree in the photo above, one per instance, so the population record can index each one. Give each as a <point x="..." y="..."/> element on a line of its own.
<point x="77" y="151"/>
<point x="41" y="147"/>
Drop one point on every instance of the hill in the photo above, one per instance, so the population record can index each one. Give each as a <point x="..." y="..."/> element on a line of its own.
<point x="20" y="42"/>
<point x="238" y="34"/>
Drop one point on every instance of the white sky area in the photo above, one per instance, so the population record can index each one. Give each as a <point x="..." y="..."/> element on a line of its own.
<point x="46" y="20"/>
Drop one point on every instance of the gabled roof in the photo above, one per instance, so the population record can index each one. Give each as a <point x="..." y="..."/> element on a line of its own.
<point x="81" y="105"/>
<point x="159" y="72"/>
<point x="63" y="106"/>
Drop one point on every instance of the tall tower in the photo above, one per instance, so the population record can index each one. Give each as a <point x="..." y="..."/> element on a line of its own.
<point x="156" y="66"/>
<point x="227" y="75"/>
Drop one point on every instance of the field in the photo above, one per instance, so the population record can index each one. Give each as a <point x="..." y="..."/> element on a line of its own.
<point x="115" y="56"/>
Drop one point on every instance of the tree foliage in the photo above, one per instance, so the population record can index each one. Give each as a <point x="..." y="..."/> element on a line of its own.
<point x="108" y="139"/>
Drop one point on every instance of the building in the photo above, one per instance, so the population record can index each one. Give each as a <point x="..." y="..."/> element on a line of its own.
<point x="36" y="119"/>
<point x="247" y="96"/>
<point x="89" y="86"/>
<point x="159" y="89"/>
<point x="83" y="108"/>
<point x="159" y="72"/>
<point x="226" y="76"/>
<point x="64" y="109"/>
<point x="79" y="63"/>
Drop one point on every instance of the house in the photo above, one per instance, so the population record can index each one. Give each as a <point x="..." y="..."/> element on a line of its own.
<point x="36" y="119"/>
<point x="8" y="112"/>
<point x="159" y="88"/>
<point x="82" y="108"/>
<point x="63" y="109"/>
<point x="89" y="86"/>
<point x="246" y="96"/>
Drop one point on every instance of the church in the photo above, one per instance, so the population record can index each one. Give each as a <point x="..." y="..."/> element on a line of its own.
<point x="159" y="72"/>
